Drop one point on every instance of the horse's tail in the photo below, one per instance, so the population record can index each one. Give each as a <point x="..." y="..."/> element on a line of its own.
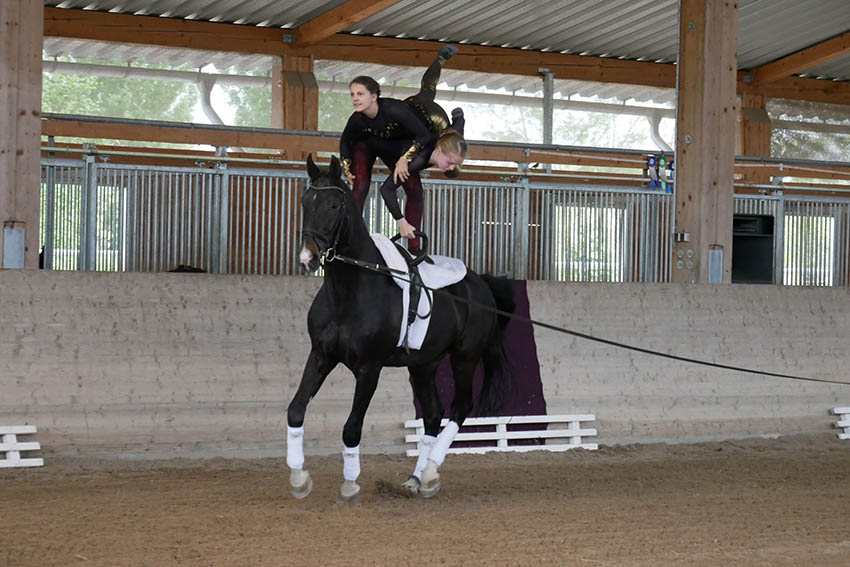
<point x="499" y="385"/>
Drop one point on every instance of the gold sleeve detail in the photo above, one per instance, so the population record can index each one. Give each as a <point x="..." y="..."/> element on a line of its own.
<point x="415" y="148"/>
<point x="439" y="123"/>
<point x="346" y="166"/>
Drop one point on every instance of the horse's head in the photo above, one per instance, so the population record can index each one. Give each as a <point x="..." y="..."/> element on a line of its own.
<point x="324" y="205"/>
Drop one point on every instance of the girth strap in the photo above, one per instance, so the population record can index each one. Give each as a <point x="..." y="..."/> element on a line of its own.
<point x="416" y="286"/>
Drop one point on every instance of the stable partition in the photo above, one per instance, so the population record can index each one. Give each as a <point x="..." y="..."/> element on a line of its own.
<point x="197" y="365"/>
<point x="222" y="218"/>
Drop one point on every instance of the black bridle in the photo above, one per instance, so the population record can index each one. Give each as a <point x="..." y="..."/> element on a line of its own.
<point x="329" y="252"/>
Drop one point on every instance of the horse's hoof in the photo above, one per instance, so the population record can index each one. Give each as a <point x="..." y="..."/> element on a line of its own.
<point x="430" y="480"/>
<point x="430" y="488"/>
<point x="412" y="484"/>
<point x="349" y="491"/>
<point x="300" y="483"/>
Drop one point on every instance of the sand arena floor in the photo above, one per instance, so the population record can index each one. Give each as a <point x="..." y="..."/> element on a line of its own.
<point x="755" y="502"/>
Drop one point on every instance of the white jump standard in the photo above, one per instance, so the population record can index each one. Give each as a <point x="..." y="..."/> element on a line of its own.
<point x="557" y="432"/>
<point x="11" y="448"/>
<point x="843" y="422"/>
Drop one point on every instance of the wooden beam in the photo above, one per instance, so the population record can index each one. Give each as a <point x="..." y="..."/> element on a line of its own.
<point x="292" y="143"/>
<point x="392" y="51"/>
<point x="338" y="19"/>
<point x="802" y="60"/>
<point x="166" y="32"/>
<point x="288" y="144"/>
<point x="813" y="90"/>
<point x="755" y="133"/>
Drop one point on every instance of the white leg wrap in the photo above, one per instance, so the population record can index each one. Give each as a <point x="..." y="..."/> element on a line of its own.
<point x="295" y="447"/>
<point x="425" y="445"/>
<point x="444" y="441"/>
<point x="350" y="462"/>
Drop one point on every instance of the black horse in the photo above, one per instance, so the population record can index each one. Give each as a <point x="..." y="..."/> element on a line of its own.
<point x="355" y="320"/>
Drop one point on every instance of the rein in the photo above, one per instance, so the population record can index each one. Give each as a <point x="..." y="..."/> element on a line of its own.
<point x="389" y="271"/>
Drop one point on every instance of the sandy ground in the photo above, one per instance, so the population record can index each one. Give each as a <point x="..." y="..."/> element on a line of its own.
<point x="755" y="502"/>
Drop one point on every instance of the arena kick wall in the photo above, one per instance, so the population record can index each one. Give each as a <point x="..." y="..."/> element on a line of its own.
<point x="194" y="365"/>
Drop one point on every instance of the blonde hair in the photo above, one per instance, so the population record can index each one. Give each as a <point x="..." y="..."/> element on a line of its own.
<point x="452" y="143"/>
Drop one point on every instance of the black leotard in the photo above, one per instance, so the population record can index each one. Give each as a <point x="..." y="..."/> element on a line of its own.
<point x="396" y="120"/>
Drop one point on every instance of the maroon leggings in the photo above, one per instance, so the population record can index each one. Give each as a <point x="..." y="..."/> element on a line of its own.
<point x="361" y="167"/>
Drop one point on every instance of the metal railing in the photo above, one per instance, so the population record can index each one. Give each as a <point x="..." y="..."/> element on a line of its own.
<point x="229" y="219"/>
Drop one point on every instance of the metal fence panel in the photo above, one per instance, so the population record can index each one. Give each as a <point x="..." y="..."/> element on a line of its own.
<point x="592" y="233"/>
<point x="117" y="217"/>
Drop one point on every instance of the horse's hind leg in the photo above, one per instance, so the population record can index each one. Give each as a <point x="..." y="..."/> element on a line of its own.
<point x="367" y="381"/>
<point x="462" y="371"/>
<point x="422" y="378"/>
<point x="315" y="372"/>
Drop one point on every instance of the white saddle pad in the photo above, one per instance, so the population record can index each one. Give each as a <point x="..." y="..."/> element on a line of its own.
<point x="443" y="272"/>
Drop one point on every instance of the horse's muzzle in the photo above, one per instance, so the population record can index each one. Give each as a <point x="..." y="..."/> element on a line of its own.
<point x="308" y="254"/>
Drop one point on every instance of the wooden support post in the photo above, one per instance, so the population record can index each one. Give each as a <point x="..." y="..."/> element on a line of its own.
<point x="705" y="148"/>
<point x="21" y="37"/>
<point x="755" y="132"/>
<point x="295" y="95"/>
<point x="295" y="106"/>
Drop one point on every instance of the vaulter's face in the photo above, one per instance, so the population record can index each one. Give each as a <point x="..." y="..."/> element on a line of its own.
<point x="361" y="98"/>
<point x="444" y="161"/>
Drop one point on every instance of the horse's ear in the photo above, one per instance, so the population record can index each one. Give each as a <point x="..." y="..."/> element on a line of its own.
<point x="336" y="168"/>
<point x="312" y="169"/>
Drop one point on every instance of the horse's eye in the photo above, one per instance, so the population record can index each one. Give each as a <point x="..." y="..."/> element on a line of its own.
<point x="334" y="205"/>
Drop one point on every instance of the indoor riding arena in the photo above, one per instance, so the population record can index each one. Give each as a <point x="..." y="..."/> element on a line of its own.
<point x="189" y="312"/>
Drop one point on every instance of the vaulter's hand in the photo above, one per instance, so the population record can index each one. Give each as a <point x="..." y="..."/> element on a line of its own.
<point x="401" y="173"/>
<point x="405" y="229"/>
<point x="350" y="177"/>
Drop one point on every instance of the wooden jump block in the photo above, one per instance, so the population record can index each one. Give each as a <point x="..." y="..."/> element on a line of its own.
<point x="567" y="430"/>
<point x="843" y="422"/>
<point x="11" y="448"/>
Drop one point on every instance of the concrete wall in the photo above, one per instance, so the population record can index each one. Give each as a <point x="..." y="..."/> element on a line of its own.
<point x="131" y="365"/>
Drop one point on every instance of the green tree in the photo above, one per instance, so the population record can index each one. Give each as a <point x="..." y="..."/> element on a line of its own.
<point x="253" y="106"/>
<point x="334" y="111"/>
<point x="117" y="97"/>
<point x="808" y="145"/>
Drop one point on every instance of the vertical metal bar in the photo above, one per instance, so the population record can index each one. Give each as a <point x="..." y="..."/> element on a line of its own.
<point x="548" y="107"/>
<point x="223" y="222"/>
<point x="262" y="264"/>
<point x="50" y="212"/>
<point x="215" y="215"/>
<point x="89" y="243"/>
<point x="520" y="229"/>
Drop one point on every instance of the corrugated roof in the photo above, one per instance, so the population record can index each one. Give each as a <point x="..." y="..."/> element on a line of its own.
<point x="236" y="62"/>
<point x="771" y="29"/>
<point x="631" y="29"/>
<point x="838" y="69"/>
<point x="628" y="29"/>
<point x="274" y="13"/>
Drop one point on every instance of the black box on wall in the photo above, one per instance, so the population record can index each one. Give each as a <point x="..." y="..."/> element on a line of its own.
<point x="752" y="249"/>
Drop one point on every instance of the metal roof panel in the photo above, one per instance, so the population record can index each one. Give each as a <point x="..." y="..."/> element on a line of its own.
<point x="645" y="30"/>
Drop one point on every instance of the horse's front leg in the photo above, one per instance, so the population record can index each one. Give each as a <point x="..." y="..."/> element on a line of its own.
<point x="367" y="381"/>
<point x="315" y="371"/>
